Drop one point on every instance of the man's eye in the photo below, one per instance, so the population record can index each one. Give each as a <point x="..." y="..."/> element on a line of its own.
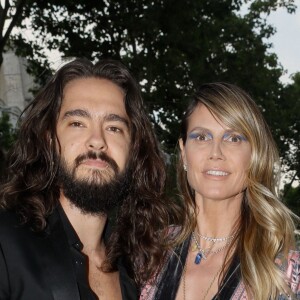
<point x="76" y="124"/>
<point x="114" y="129"/>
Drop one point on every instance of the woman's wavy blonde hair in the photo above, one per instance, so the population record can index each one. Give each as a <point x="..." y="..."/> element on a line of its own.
<point x="266" y="226"/>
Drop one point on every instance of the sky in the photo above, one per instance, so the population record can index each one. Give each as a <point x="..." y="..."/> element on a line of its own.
<point x="286" y="41"/>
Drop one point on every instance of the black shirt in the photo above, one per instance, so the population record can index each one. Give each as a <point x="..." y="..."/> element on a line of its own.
<point x="80" y="262"/>
<point x="42" y="265"/>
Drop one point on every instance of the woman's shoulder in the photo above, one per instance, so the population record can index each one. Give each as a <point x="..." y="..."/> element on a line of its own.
<point x="173" y="230"/>
<point x="294" y="256"/>
<point x="293" y="259"/>
<point x="290" y="266"/>
<point x="293" y="271"/>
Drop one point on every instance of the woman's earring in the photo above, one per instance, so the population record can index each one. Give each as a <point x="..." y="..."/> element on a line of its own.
<point x="185" y="167"/>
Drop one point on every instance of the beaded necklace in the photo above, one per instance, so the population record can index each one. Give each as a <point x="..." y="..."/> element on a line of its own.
<point x="203" y="253"/>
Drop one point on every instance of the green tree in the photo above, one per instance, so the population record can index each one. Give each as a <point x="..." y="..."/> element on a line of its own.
<point x="7" y="138"/>
<point x="10" y="16"/>
<point x="292" y="198"/>
<point x="171" y="46"/>
<point x="289" y="129"/>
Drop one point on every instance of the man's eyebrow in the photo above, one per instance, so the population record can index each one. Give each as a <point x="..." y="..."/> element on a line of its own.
<point x="86" y="114"/>
<point x="76" y="113"/>
<point x="118" y="118"/>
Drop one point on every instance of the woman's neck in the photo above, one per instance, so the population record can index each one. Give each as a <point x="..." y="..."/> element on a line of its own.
<point x="218" y="218"/>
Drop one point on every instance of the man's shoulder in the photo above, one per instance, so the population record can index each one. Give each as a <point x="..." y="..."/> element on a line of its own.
<point x="12" y="227"/>
<point x="9" y="218"/>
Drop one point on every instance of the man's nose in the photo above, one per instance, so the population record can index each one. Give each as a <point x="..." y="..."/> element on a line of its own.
<point x="96" y="140"/>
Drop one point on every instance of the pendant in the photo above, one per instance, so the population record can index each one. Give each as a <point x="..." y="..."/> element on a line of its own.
<point x="194" y="248"/>
<point x="199" y="257"/>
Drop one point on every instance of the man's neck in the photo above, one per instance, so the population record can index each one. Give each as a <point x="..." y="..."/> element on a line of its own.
<point x="90" y="230"/>
<point x="88" y="227"/>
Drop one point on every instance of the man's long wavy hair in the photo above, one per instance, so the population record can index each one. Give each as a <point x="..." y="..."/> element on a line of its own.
<point x="266" y="226"/>
<point x="32" y="190"/>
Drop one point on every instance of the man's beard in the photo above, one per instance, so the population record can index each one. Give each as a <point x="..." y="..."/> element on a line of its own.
<point x="100" y="191"/>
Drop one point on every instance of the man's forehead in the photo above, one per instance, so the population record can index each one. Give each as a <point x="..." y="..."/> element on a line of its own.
<point x="96" y="95"/>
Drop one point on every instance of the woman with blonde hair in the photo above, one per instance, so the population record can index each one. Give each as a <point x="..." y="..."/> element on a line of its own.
<point x="238" y="239"/>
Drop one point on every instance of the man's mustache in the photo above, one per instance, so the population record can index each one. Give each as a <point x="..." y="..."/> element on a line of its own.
<point x="97" y="155"/>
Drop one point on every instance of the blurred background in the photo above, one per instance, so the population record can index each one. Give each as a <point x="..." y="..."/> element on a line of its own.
<point x="171" y="46"/>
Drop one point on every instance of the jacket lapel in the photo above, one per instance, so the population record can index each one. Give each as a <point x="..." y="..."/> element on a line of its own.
<point x="170" y="279"/>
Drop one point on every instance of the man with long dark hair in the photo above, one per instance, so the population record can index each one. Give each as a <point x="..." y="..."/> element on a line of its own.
<point x="85" y="148"/>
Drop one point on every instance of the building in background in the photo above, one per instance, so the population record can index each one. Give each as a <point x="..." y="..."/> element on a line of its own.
<point x="15" y="86"/>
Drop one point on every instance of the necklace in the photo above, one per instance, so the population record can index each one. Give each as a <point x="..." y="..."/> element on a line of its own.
<point x="203" y="253"/>
<point x="209" y="287"/>
<point x="212" y="239"/>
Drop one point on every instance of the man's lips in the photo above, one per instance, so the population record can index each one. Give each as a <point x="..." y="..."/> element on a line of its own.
<point x="97" y="163"/>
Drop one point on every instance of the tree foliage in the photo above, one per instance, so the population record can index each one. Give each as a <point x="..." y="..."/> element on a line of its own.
<point x="7" y="138"/>
<point x="292" y="198"/>
<point x="10" y="16"/>
<point x="289" y="114"/>
<point x="171" y="46"/>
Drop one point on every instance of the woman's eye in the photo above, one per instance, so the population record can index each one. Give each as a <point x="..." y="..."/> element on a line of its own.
<point x="233" y="138"/>
<point x="203" y="137"/>
<point x="200" y="136"/>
